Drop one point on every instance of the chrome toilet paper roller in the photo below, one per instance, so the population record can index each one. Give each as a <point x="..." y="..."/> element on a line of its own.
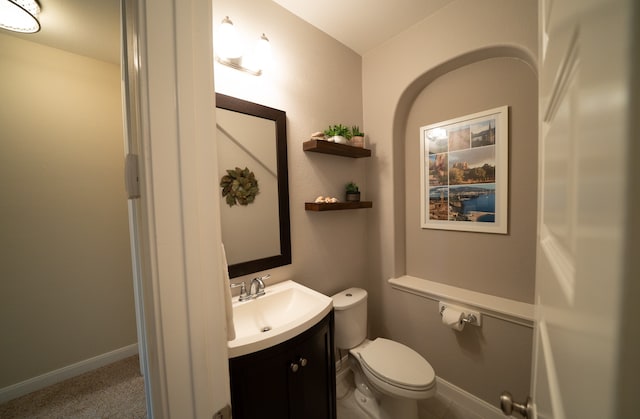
<point x="457" y="317"/>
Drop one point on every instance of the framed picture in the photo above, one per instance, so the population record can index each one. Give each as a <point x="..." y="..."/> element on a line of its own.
<point x="464" y="173"/>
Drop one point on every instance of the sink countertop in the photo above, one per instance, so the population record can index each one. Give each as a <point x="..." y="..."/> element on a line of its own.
<point x="286" y="310"/>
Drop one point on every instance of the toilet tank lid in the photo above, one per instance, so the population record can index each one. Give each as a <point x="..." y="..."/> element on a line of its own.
<point x="349" y="298"/>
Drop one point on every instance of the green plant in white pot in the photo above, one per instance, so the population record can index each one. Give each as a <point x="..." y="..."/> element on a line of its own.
<point x="338" y="134"/>
<point x="352" y="192"/>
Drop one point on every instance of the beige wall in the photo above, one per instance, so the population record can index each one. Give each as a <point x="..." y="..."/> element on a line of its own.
<point x="496" y="264"/>
<point x="398" y="78"/>
<point x="66" y="292"/>
<point x="317" y="81"/>
<point x="483" y="361"/>
<point x="479" y="360"/>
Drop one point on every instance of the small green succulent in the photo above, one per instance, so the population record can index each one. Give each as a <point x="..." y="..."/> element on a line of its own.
<point x="355" y="131"/>
<point x="351" y="188"/>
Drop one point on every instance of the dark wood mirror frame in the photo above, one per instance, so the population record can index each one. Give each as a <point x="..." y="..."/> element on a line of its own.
<point x="280" y="119"/>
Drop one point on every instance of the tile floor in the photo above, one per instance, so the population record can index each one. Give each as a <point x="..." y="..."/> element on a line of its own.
<point x="437" y="407"/>
<point x="347" y="408"/>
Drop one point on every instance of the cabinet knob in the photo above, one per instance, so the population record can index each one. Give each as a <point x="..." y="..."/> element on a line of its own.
<point x="303" y="362"/>
<point x="294" y="367"/>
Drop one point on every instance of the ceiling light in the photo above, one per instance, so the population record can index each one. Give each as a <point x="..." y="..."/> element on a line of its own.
<point x="19" y="15"/>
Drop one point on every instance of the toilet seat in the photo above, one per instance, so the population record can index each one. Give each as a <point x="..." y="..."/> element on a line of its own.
<point x="396" y="369"/>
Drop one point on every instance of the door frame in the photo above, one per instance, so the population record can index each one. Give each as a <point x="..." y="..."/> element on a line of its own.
<point x="180" y="236"/>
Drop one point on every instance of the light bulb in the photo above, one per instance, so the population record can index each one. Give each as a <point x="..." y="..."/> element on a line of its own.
<point x="263" y="52"/>
<point x="227" y="44"/>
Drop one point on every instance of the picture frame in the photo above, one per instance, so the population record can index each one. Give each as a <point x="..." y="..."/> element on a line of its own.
<point x="464" y="173"/>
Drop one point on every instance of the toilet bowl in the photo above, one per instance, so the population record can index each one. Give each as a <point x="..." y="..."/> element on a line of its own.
<point x="395" y="369"/>
<point x="389" y="376"/>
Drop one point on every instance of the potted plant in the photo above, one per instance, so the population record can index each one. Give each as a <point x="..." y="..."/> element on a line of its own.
<point x="338" y="134"/>
<point x="352" y="192"/>
<point x="357" y="137"/>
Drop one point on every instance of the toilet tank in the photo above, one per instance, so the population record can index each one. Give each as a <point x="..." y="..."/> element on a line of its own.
<point x="350" y="313"/>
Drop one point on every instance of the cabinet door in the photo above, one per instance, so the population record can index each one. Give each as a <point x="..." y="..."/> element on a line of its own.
<point x="312" y="386"/>
<point x="264" y="384"/>
<point x="259" y="386"/>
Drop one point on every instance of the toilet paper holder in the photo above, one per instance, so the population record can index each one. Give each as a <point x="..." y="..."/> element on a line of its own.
<point x="472" y="317"/>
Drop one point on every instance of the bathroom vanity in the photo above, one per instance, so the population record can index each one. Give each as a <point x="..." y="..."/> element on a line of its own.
<point x="294" y="379"/>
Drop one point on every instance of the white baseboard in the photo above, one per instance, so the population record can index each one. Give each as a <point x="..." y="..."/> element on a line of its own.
<point x="52" y="377"/>
<point x="468" y="401"/>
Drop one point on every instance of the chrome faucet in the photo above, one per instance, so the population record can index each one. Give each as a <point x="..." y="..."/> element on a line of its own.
<point x="257" y="286"/>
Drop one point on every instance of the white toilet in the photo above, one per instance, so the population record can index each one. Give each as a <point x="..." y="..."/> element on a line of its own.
<point x="389" y="377"/>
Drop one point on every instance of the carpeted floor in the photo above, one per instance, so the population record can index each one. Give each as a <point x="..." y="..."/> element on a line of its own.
<point x="113" y="391"/>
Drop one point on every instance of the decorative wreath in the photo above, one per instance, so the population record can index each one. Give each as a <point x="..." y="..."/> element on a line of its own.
<point x="239" y="186"/>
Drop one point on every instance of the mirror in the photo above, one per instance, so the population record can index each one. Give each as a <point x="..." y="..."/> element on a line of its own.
<point x="256" y="230"/>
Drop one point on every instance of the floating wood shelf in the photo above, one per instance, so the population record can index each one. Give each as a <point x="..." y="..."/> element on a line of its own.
<point x="325" y="147"/>
<point x="313" y="206"/>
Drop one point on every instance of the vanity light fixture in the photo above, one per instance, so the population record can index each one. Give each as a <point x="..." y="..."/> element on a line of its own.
<point x="19" y="15"/>
<point x="229" y="50"/>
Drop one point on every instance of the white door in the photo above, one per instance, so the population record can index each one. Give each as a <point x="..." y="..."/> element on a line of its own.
<point x="581" y="276"/>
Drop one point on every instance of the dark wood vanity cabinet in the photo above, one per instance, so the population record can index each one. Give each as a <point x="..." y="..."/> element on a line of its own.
<point x="295" y="379"/>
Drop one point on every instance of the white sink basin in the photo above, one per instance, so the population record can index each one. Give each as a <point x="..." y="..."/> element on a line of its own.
<point x="286" y="310"/>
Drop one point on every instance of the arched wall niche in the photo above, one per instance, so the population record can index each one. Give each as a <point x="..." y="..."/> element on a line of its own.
<point x="402" y="110"/>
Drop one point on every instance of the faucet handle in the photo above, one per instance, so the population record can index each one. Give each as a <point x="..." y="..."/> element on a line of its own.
<point x="243" y="290"/>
